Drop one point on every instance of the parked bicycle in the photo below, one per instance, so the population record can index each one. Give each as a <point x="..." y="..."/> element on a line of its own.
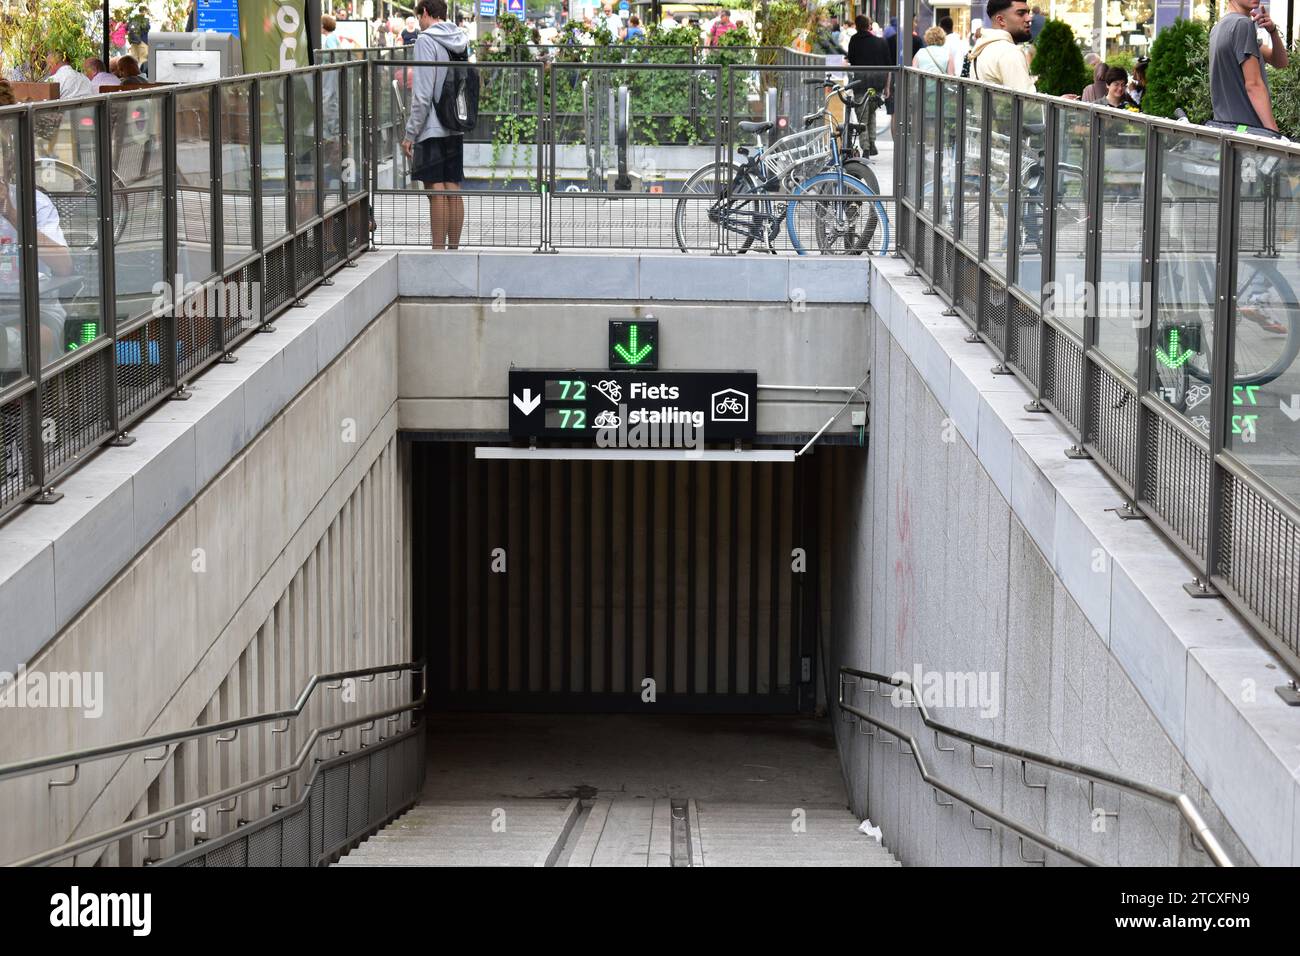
<point x="843" y="214"/>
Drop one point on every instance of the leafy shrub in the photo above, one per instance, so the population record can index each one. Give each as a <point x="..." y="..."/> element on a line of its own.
<point x="1179" y="72"/>
<point x="32" y="28"/>
<point x="1057" y="63"/>
<point x="1285" y="85"/>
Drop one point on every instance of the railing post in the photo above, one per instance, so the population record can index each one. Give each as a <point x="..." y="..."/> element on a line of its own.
<point x="216" y="130"/>
<point x="171" y="240"/>
<point x="726" y="130"/>
<point x="107" y="261"/>
<point x="900" y="151"/>
<point x="1225" y="283"/>
<point x="959" y="166"/>
<point x="29" y="286"/>
<point x="1091" y="266"/>
<point x="1046" y="250"/>
<point x="1013" y="207"/>
<point x="258" y="235"/>
<point x="1151" y="194"/>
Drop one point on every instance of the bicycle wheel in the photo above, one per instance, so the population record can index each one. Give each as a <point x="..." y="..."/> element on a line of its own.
<point x="1267" y="334"/>
<point x="858" y="169"/>
<point x="696" y="221"/>
<point x="850" y="220"/>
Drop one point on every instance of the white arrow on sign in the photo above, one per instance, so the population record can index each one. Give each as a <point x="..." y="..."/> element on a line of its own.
<point x="1291" y="409"/>
<point x="528" y="403"/>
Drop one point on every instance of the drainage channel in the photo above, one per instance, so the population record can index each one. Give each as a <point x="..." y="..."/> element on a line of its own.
<point x="681" y="841"/>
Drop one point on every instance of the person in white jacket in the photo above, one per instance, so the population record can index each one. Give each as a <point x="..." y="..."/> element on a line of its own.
<point x="996" y="57"/>
<point x="437" y="154"/>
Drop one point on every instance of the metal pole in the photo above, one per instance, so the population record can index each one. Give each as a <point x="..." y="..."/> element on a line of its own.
<point x="1151" y="194"/>
<point x="1046" y="250"/>
<point x="108" y="262"/>
<point x="1222" y="366"/>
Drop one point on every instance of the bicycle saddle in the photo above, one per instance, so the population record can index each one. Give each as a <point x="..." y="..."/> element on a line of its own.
<point x="751" y="126"/>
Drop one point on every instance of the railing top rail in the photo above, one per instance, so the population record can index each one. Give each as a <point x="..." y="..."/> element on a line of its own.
<point x="172" y="88"/>
<point x="1110" y="112"/>
<point x="1178" y="800"/>
<point x="23" y="768"/>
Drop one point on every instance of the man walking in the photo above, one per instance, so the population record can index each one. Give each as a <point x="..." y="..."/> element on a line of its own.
<point x="1239" y="91"/>
<point x="436" y="153"/>
<point x="995" y="58"/>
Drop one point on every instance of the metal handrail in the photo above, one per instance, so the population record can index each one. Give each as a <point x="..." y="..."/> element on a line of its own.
<point x="1180" y="801"/>
<point x="130" y="827"/>
<point x="75" y="757"/>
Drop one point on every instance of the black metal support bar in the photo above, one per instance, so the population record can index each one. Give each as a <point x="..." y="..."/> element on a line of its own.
<point x="1225" y="309"/>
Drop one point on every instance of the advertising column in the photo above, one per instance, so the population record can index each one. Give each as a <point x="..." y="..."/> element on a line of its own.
<point x="273" y="35"/>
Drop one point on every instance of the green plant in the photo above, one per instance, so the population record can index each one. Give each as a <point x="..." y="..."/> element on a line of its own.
<point x="1285" y="85"/>
<point x="784" y="20"/>
<point x="1179" y="72"/>
<point x="33" y="28"/>
<point x="1057" y="63"/>
<point x="1125" y="58"/>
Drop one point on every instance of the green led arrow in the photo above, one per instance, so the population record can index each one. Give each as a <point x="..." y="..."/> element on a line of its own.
<point x="1173" y="358"/>
<point x="631" y="354"/>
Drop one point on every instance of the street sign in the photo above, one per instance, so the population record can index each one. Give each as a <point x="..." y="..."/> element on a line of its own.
<point x="633" y="344"/>
<point x="217" y="16"/>
<point x="516" y="8"/>
<point x="624" y="8"/>
<point x="634" y="408"/>
<point x="487" y="9"/>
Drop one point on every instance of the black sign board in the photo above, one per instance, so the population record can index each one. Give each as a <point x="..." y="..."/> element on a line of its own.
<point x="633" y="343"/>
<point x="633" y="408"/>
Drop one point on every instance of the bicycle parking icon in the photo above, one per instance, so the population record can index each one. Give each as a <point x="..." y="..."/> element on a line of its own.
<point x="729" y="405"/>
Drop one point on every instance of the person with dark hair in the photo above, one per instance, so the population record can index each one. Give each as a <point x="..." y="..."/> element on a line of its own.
<point x="956" y="46"/>
<point x="996" y="58"/>
<point x="1137" y="86"/>
<point x="634" y="29"/>
<point x="867" y="49"/>
<point x="437" y="154"/>
<point x="128" y="70"/>
<point x="1117" y="89"/>
<point x="1036" y="23"/>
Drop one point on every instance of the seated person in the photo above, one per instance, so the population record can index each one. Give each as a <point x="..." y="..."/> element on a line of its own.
<point x="53" y="261"/>
<point x="128" y="70"/>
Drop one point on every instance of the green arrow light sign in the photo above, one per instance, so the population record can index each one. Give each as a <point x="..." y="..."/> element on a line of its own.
<point x="1173" y="356"/>
<point x="633" y="344"/>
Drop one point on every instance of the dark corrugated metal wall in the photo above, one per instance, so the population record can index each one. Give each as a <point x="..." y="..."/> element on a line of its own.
<point x="614" y="572"/>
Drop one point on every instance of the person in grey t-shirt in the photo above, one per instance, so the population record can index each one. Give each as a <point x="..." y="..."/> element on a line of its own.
<point x="1239" y="89"/>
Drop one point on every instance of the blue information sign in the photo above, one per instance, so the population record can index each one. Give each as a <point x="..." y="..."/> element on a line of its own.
<point x="217" y="16"/>
<point x="624" y="7"/>
<point x="487" y="8"/>
<point x="515" y="8"/>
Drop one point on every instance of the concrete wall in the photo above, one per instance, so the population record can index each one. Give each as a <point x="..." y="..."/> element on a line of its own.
<point x="456" y="356"/>
<point x="284" y="562"/>
<point x="981" y="548"/>
<point x="465" y="319"/>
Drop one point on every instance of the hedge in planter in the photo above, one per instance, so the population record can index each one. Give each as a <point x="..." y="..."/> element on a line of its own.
<point x="1058" y="64"/>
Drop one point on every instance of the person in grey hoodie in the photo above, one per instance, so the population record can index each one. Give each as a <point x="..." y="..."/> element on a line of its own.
<point x="436" y="154"/>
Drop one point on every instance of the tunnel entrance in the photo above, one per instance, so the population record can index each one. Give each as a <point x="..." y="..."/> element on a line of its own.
<point x="563" y="586"/>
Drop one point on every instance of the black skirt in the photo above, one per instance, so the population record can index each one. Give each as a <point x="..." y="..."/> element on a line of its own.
<point x="439" y="159"/>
